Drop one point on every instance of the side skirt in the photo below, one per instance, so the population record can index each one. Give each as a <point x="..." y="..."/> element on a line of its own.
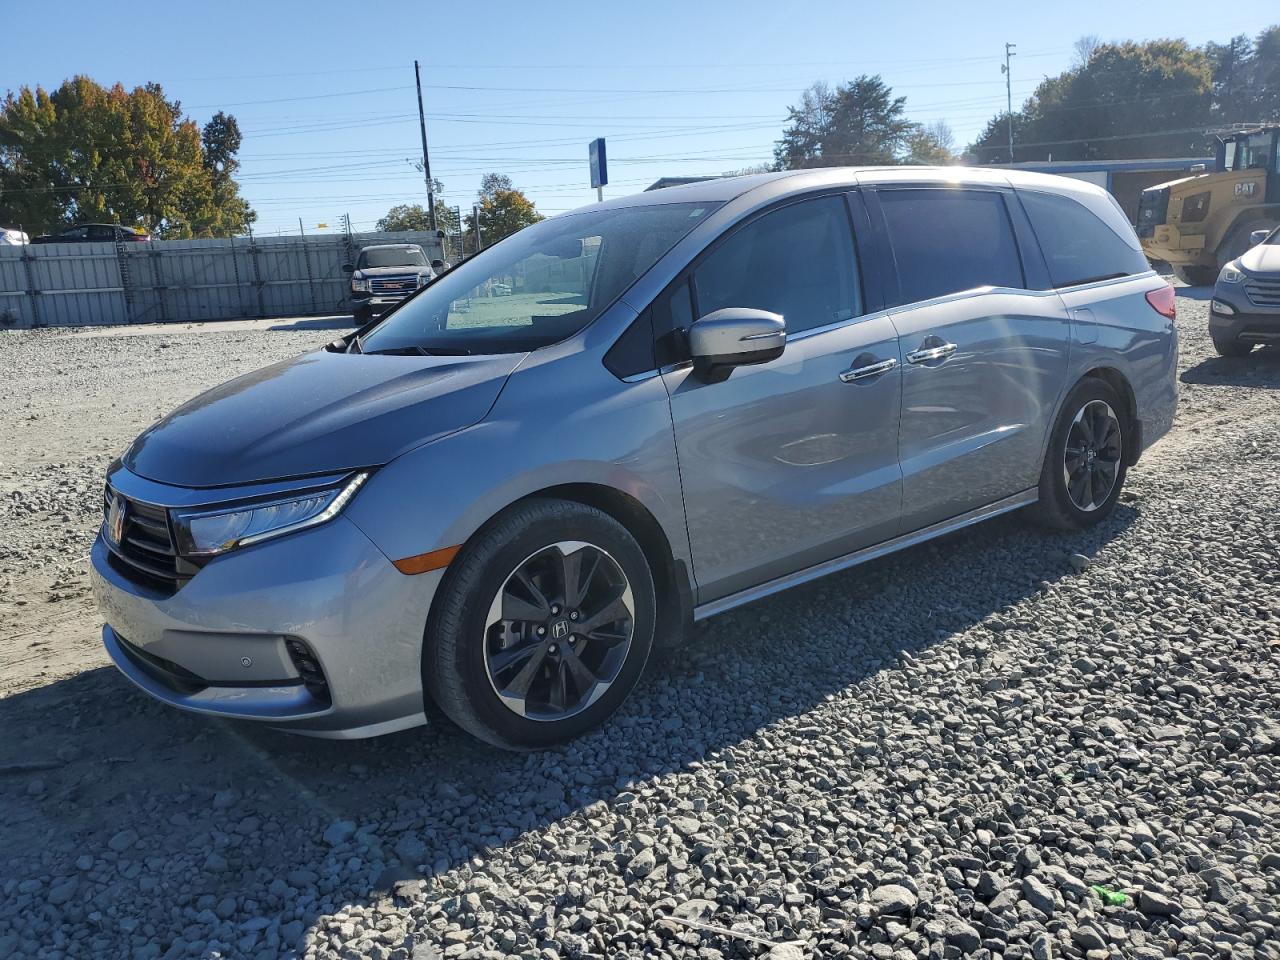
<point x="1015" y="502"/>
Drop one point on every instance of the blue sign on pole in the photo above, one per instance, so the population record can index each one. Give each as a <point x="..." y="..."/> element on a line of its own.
<point x="599" y="164"/>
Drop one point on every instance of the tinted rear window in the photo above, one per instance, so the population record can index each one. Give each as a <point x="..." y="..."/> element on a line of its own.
<point x="1077" y="246"/>
<point x="947" y="240"/>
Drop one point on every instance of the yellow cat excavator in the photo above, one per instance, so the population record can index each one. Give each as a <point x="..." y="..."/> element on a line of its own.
<point x="1198" y="223"/>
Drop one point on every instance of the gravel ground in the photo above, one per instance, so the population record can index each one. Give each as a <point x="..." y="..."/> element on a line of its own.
<point x="1004" y="744"/>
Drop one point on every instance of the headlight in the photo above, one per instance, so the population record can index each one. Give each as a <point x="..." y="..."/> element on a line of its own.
<point x="424" y="279"/>
<point x="1230" y="274"/>
<point x="210" y="531"/>
<point x="359" y="285"/>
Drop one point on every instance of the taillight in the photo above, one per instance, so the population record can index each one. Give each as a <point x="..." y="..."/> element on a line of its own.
<point x="1164" y="302"/>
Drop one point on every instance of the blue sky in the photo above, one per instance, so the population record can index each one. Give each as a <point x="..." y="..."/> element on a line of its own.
<point x="520" y="88"/>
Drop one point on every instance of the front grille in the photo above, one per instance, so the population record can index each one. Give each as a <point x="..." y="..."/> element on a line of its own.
<point x="145" y="548"/>
<point x="1264" y="293"/>
<point x="398" y="284"/>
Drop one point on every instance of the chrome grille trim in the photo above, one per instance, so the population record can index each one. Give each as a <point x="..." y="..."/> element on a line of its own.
<point x="146" y="546"/>
<point x="398" y="284"/>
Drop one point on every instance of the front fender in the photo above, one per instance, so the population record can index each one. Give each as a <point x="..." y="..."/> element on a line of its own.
<point x="566" y="420"/>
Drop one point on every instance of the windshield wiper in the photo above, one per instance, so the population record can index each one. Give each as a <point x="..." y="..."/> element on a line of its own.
<point x="413" y="351"/>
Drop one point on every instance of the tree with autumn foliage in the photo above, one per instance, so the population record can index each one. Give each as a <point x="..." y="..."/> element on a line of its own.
<point x="88" y="153"/>
<point x="503" y="209"/>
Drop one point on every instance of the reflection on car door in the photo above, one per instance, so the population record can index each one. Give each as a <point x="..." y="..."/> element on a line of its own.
<point x="985" y="359"/>
<point x="792" y="462"/>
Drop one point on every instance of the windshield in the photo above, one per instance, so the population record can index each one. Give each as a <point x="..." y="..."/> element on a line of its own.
<point x="538" y="286"/>
<point x="392" y="257"/>
<point x="1250" y="153"/>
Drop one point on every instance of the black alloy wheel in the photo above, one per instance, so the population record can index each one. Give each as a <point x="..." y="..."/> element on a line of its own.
<point x="1091" y="459"/>
<point x="559" y="631"/>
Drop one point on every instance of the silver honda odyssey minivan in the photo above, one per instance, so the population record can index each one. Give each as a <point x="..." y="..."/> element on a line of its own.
<point x="565" y="450"/>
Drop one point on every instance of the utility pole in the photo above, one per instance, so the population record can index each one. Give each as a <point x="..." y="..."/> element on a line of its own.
<point x="1008" y="92"/>
<point x="475" y="221"/>
<point x="426" y="163"/>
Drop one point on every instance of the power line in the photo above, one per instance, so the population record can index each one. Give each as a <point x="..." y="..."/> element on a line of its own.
<point x="312" y="96"/>
<point x="664" y="91"/>
<point x="857" y="63"/>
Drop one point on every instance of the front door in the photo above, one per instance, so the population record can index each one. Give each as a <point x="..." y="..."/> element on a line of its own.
<point x="984" y="358"/>
<point x="793" y="462"/>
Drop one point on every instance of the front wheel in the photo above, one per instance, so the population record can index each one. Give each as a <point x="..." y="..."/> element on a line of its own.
<point x="1196" y="276"/>
<point x="543" y="625"/>
<point x="1084" y="468"/>
<point x="1237" y="243"/>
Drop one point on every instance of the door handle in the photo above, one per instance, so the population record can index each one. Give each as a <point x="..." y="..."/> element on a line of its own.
<point x="870" y="370"/>
<point x="925" y="354"/>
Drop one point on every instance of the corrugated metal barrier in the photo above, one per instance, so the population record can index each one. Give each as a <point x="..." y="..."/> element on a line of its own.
<point x="165" y="281"/>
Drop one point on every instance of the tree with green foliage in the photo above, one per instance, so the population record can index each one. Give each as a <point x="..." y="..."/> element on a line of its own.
<point x="1262" y="76"/>
<point x="228" y="213"/>
<point x="503" y="209"/>
<point x="88" y="153"/>
<point x="1246" y="78"/>
<point x="860" y="122"/>
<point x="1126" y="100"/>
<point x="413" y="216"/>
<point x="931" y="143"/>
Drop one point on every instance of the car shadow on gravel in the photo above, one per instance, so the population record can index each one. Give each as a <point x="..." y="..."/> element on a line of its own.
<point x="88" y="757"/>
<point x="1261" y="368"/>
<point x="340" y="322"/>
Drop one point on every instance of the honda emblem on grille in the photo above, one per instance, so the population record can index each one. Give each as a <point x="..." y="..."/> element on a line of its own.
<point x="115" y="519"/>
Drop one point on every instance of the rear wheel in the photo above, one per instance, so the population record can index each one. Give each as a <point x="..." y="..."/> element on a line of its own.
<point x="544" y="624"/>
<point x="1084" y="468"/>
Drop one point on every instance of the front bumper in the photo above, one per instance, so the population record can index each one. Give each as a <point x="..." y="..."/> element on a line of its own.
<point x="376" y="304"/>
<point x="1243" y="319"/>
<point x="1166" y="242"/>
<point x="220" y="644"/>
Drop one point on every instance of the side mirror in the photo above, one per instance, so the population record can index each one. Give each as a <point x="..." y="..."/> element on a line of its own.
<point x="348" y="268"/>
<point x="437" y="264"/>
<point x="1257" y="236"/>
<point x="735" y="337"/>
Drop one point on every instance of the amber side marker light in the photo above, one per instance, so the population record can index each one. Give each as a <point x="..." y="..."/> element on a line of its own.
<point x="426" y="562"/>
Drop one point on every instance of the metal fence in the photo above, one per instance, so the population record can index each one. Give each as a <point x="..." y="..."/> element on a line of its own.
<point x="96" y="284"/>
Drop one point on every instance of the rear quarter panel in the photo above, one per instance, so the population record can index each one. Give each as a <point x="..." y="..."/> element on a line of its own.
<point x="1120" y="330"/>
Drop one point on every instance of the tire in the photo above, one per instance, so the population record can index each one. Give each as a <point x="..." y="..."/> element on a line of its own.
<point x="362" y="316"/>
<point x="1231" y="348"/>
<point x="1062" y="505"/>
<point x="1196" y="276"/>
<point x="471" y="651"/>
<point x="1237" y="242"/>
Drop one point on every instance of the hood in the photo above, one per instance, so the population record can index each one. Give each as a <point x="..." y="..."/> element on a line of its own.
<point x="392" y="271"/>
<point x="1170" y="184"/>
<point x="318" y="413"/>
<point x="1264" y="258"/>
